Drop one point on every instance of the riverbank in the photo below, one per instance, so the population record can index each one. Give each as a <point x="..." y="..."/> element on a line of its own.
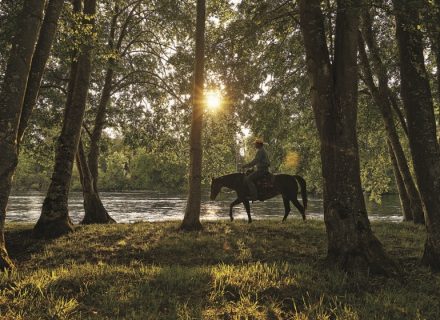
<point x="265" y="270"/>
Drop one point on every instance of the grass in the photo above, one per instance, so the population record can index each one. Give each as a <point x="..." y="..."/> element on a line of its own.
<point x="265" y="270"/>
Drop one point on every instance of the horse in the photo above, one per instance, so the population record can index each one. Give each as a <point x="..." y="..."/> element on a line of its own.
<point x="284" y="184"/>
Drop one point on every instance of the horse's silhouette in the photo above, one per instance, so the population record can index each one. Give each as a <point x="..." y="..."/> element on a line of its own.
<point x="279" y="184"/>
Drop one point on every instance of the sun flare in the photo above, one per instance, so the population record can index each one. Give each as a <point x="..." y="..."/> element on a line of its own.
<point x="213" y="100"/>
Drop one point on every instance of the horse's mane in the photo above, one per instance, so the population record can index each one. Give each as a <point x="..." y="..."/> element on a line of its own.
<point x="231" y="180"/>
<point x="235" y="174"/>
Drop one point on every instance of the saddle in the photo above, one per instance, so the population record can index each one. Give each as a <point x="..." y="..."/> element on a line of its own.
<point x="265" y="185"/>
<point x="265" y="182"/>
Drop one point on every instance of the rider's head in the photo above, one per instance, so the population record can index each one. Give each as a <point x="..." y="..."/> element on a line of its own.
<point x="258" y="143"/>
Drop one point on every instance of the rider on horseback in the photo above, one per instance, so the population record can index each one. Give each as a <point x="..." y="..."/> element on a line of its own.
<point x="261" y="161"/>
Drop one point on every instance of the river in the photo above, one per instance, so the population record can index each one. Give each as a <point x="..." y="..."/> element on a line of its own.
<point x="130" y="207"/>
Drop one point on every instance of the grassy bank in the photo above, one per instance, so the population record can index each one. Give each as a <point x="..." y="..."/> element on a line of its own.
<point x="265" y="270"/>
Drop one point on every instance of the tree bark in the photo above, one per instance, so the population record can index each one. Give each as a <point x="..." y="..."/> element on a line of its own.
<point x="12" y="94"/>
<point x="42" y="52"/>
<point x="95" y="211"/>
<point x="395" y="104"/>
<point x="418" y="104"/>
<point x="436" y="40"/>
<point x="93" y="155"/>
<point x="352" y="245"/>
<point x="191" y="220"/>
<point x="54" y="220"/>
<point x="431" y="19"/>
<point x="403" y="195"/>
<point x="381" y="96"/>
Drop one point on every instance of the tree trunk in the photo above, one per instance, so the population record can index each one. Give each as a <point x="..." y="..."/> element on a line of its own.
<point x="437" y="43"/>
<point x="12" y="94"/>
<point x="381" y="97"/>
<point x="431" y="19"/>
<point x="418" y="104"/>
<point x="191" y="220"/>
<point x="397" y="110"/>
<point x="95" y="211"/>
<point x="352" y="245"/>
<point x="42" y="52"/>
<point x="403" y="195"/>
<point x="93" y="155"/>
<point x="54" y="220"/>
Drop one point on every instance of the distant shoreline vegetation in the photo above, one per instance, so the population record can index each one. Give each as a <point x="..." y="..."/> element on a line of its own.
<point x="138" y="170"/>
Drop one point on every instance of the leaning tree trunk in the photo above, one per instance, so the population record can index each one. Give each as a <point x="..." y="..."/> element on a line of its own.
<point x="352" y="245"/>
<point x="42" y="52"/>
<point x="54" y="220"/>
<point x="11" y="103"/>
<point x="403" y="195"/>
<point x="191" y="220"/>
<point x="95" y="211"/>
<point x="381" y="97"/>
<point x="95" y="138"/>
<point x="417" y="100"/>
<point x="101" y="112"/>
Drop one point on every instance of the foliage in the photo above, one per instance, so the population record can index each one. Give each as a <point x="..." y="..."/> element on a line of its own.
<point x="116" y="171"/>
<point x="376" y="171"/>
<point x="157" y="171"/>
<point x="9" y="11"/>
<point x="233" y="271"/>
<point x="32" y="173"/>
<point x="255" y="58"/>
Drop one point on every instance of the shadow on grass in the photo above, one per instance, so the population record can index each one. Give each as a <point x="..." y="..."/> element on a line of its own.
<point x="265" y="270"/>
<point x="107" y="292"/>
<point x="161" y="243"/>
<point x="21" y="245"/>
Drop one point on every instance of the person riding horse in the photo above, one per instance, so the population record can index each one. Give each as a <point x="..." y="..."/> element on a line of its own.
<point x="262" y="163"/>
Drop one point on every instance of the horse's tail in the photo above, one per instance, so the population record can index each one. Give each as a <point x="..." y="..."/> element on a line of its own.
<point x="302" y="184"/>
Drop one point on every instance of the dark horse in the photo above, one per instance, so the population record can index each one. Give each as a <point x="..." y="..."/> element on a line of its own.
<point x="283" y="184"/>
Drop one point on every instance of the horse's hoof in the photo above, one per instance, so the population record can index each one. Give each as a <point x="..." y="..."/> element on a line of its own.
<point x="232" y="219"/>
<point x="249" y="221"/>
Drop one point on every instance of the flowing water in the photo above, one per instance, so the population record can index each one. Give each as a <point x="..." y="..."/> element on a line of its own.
<point x="160" y="206"/>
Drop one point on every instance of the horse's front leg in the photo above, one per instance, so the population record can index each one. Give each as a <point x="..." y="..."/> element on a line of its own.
<point x="248" y="210"/>
<point x="235" y="202"/>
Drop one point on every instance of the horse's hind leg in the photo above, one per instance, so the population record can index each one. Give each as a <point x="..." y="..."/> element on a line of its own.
<point x="286" y="207"/>
<point x="299" y="207"/>
<point x="248" y="210"/>
<point x="235" y="202"/>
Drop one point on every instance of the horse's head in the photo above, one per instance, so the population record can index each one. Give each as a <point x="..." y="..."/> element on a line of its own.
<point x="215" y="188"/>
